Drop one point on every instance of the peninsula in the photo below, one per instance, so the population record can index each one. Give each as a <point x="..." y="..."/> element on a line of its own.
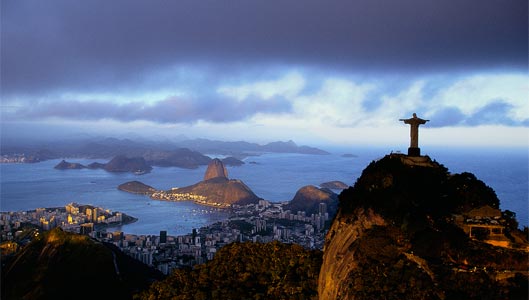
<point x="215" y="190"/>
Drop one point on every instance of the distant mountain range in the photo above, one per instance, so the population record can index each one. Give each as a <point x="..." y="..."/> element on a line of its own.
<point x="241" y="147"/>
<point x="187" y="153"/>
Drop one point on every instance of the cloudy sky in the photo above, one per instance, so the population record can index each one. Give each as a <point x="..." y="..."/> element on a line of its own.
<point x="317" y="72"/>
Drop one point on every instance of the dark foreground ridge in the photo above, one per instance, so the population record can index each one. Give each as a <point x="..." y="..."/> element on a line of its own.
<point x="57" y="264"/>
<point x="409" y="229"/>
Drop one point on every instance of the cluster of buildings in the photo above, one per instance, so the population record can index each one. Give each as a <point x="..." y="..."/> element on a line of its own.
<point x="14" y="158"/>
<point x="486" y="222"/>
<point x="77" y="218"/>
<point x="262" y="222"/>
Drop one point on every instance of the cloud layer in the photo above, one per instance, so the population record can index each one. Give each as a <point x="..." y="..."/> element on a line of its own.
<point x="311" y="68"/>
<point x="99" y="45"/>
<point x="333" y="101"/>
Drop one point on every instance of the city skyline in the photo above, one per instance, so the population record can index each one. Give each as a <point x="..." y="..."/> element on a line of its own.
<point x="335" y="74"/>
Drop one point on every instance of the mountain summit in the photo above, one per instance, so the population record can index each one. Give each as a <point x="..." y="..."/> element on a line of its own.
<point x="216" y="169"/>
<point x="408" y="229"/>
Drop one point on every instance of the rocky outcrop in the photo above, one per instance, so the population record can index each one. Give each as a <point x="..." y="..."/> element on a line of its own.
<point x="397" y="236"/>
<point x="215" y="169"/>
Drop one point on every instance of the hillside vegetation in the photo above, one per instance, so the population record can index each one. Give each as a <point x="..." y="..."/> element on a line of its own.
<point x="245" y="271"/>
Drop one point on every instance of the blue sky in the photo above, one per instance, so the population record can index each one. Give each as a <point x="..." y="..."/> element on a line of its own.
<point x="333" y="72"/>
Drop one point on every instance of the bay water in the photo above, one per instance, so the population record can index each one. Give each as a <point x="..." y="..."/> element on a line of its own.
<point x="274" y="177"/>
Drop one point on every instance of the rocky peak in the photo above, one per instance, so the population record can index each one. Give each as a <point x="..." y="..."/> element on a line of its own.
<point x="216" y="169"/>
<point x="399" y="234"/>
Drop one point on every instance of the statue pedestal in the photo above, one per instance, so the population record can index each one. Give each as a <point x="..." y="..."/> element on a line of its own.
<point x="414" y="151"/>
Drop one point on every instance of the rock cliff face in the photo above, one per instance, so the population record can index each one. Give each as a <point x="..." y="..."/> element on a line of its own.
<point x="337" y="262"/>
<point x="215" y="169"/>
<point x="396" y="236"/>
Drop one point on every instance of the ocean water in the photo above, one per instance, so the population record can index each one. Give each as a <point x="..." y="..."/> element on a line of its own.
<point x="274" y="177"/>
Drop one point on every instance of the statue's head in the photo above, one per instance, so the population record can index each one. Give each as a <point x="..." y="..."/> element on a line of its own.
<point x="414" y="115"/>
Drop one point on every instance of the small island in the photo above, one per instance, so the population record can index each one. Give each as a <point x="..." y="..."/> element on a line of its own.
<point x="137" y="187"/>
<point x="64" y="165"/>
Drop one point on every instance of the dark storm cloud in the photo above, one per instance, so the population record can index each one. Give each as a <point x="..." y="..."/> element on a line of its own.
<point x="99" y="45"/>
<point x="170" y="110"/>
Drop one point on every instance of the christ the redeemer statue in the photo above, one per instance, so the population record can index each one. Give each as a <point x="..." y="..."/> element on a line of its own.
<point x="414" y="122"/>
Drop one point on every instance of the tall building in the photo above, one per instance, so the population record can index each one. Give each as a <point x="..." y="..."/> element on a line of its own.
<point x="163" y="236"/>
<point x="94" y="214"/>
<point x="88" y="214"/>
<point x="322" y="208"/>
